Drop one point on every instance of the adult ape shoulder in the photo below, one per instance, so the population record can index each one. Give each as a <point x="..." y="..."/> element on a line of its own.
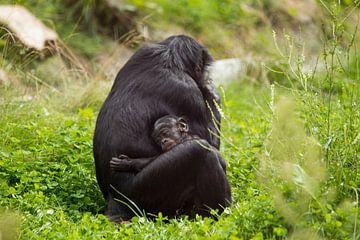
<point x="159" y="79"/>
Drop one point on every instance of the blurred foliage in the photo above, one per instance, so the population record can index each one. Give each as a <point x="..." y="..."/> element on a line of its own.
<point x="9" y="225"/>
<point x="309" y="186"/>
<point x="199" y="14"/>
<point x="77" y="29"/>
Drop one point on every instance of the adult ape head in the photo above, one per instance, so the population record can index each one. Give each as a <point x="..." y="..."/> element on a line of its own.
<point x="192" y="58"/>
<point x="167" y="78"/>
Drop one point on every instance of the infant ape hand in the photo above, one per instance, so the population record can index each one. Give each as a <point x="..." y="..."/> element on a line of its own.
<point x="122" y="163"/>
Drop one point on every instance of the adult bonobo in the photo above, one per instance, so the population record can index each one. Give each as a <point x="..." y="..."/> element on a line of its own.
<point x="169" y="77"/>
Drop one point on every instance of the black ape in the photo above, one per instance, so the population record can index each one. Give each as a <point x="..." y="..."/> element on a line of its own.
<point x="168" y="132"/>
<point x="159" y="79"/>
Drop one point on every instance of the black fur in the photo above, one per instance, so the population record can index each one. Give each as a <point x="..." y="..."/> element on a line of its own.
<point x="158" y="80"/>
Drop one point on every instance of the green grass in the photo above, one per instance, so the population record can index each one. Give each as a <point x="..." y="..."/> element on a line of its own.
<point x="47" y="175"/>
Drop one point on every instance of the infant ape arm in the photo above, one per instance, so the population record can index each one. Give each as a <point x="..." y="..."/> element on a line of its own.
<point x="125" y="164"/>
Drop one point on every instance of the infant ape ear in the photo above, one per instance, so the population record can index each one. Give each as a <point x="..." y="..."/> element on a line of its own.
<point x="182" y="124"/>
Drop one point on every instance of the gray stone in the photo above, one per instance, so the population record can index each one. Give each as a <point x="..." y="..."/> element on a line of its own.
<point x="26" y="27"/>
<point x="226" y="70"/>
<point x="4" y="80"/>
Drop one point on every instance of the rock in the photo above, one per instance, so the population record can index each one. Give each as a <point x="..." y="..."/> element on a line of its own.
<point x="26" y="27"/>
<point x="4" y="80"/>
<point x="226" y="70"/>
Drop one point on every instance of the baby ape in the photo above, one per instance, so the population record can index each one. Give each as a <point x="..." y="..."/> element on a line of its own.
<point x="168" y="132"/>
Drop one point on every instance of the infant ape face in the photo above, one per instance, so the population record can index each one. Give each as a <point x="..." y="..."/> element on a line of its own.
<point x="169" y="131"/>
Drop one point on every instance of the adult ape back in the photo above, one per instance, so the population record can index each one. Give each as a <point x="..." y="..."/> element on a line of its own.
<point x="159" y="79"/>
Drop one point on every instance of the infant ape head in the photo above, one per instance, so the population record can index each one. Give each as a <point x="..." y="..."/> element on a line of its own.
<point x="170" y="131"/>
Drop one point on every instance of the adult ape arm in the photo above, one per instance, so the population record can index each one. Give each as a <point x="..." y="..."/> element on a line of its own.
<point x="212" y="98"/>
<point x="172" y="172"/>
<point x="216" y="153"/>
<point x="178" y="177"/>
<point x="221" y="161"/>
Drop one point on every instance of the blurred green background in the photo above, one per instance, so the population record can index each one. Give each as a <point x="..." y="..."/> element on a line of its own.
<point x="290" y="128"/>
